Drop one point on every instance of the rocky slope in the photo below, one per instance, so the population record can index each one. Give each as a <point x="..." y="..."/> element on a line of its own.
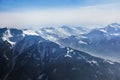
<point x="26" y="56"/>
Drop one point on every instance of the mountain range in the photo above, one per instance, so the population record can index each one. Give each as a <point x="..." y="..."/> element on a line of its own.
<point x="53" y="54"/>
<point x="102" y="42"/>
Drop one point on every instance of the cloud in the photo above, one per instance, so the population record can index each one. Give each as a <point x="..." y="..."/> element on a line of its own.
<point x="90" y="16"/>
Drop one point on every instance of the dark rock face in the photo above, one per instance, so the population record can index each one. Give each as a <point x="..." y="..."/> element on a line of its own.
<point x="34" y="58"/>
<point x="5" y="53"/>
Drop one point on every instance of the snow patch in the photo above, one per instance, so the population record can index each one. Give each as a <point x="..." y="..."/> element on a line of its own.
<point x="51" y="38"/>
<point x="102" y="30"/>
<point x="6" y="37"/>
<point x="68" y="51"/>
<point x="115" y="34"/>
<point x="30" y="32"/>
<point x="115" y="25"/>
<point x="93" y="62"/>
<point x="81" y="42"/>
<point x="108" y="61"/>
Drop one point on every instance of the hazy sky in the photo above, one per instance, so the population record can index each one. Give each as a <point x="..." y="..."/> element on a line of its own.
<point x="89" y="13"/>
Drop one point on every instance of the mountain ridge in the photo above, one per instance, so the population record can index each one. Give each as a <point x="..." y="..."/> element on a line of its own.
<point x="35" y="57"/>
<point x="101" y="41"/>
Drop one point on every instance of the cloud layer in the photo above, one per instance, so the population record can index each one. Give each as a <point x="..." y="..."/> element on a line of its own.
<point x="90" y="16"/>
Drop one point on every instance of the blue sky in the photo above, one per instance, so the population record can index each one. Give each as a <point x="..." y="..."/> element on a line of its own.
<point x="88" y="13"/>
<point x="12" y="4"/>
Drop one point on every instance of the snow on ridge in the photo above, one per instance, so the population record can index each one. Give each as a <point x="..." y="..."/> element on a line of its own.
<point x="114" y="25"/>
<point x="6" y="37"/>
<point x="115" y="34"/>
<point x="62" y="31"/>
<point x="108" y="61"/>
<point x="29" y="32"/>
<point x="49" y="30"/>
<point x="104" y="31"/>
<point x="81" y="42"/>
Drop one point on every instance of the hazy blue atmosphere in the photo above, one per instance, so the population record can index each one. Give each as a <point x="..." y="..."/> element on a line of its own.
<point x="12" y="4"/>
<point x="59" y="39"/>
<point x="89" y="13"/>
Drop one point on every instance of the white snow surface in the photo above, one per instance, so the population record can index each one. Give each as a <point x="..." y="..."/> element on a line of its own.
<point x="108" y="61"/>
<point x="30" y="32"/>
<point x="93" y="62"/>
<point x="82" y="42"/>
<point x="6" y="37"/>
<point x="104" y="31"/>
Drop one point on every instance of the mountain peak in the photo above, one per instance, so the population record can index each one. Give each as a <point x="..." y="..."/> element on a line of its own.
<point x="114" y="25"/>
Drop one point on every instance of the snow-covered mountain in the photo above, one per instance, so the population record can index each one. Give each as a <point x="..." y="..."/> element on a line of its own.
<point x="104" y="42"/>
<point x="13" y="35"/>
<point x="56" y="33"/>
<point x="27" y="55"/>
